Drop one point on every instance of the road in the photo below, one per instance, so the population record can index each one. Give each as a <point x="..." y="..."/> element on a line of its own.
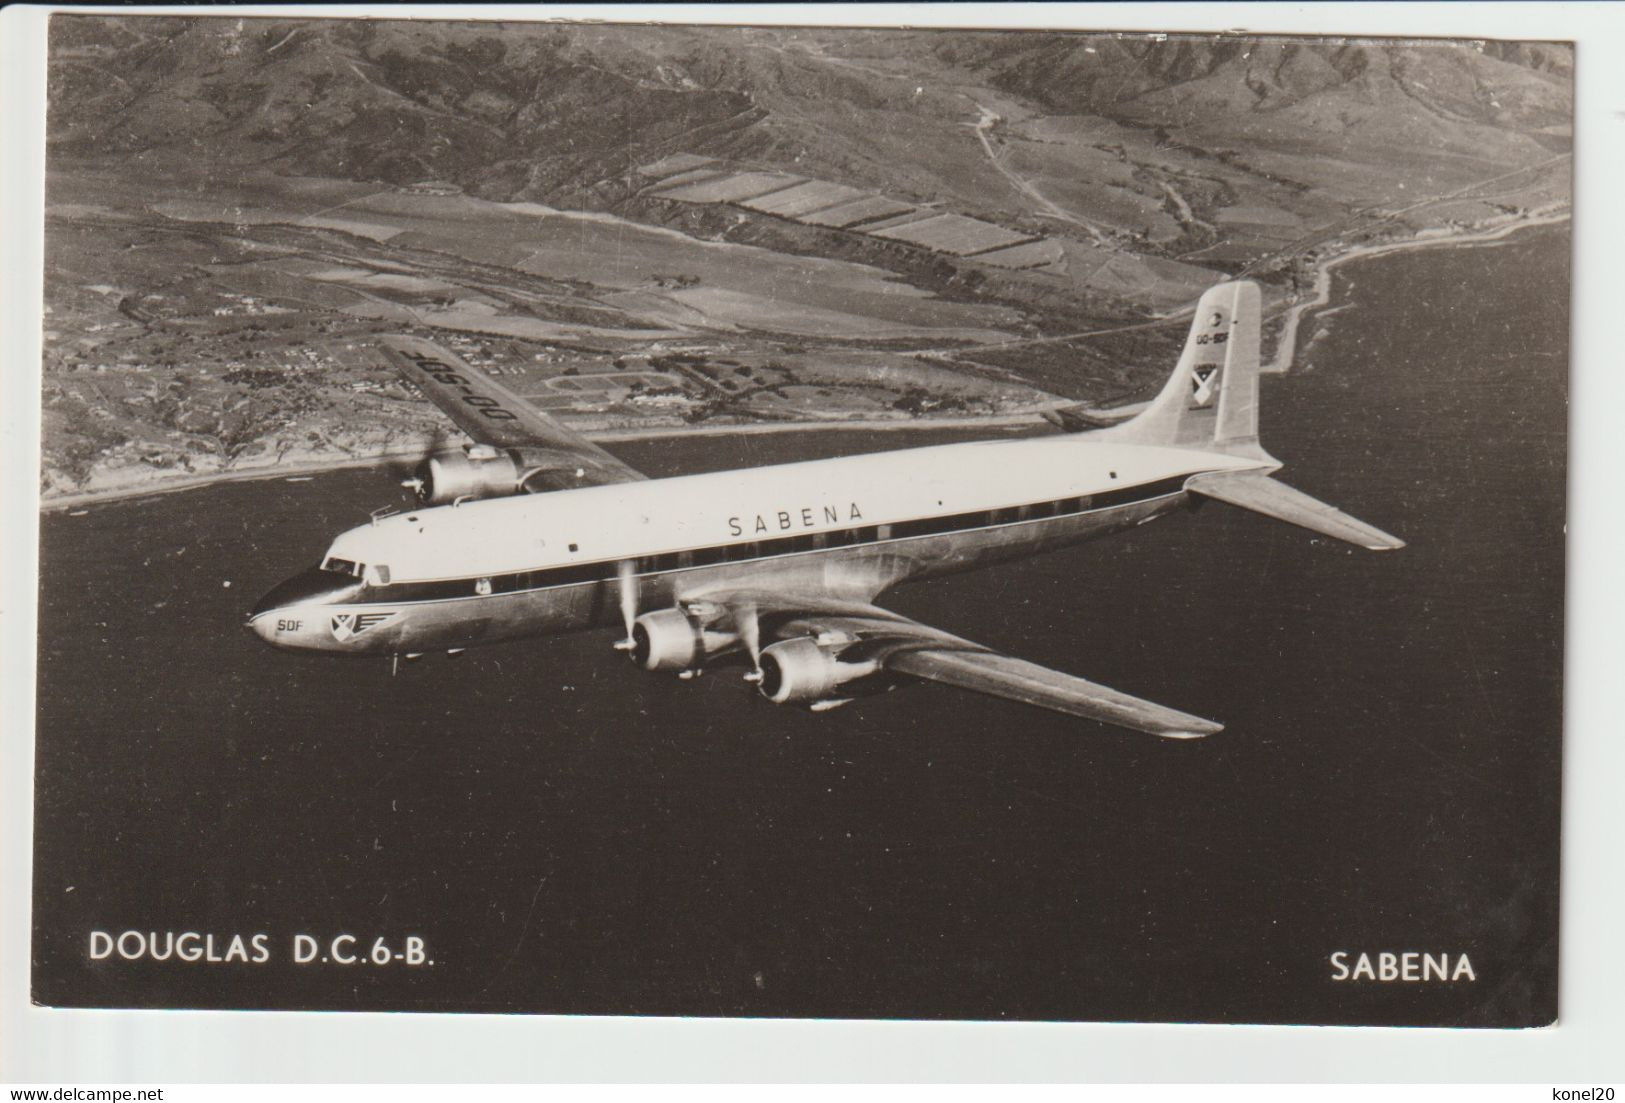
<point x="983" y="127"/>
<point x="1380" y="215"/>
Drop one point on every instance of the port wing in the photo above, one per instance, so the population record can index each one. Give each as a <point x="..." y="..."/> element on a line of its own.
<point x="862" y="634"/>
<point x="494" y="415"/>
<point x="1019" y="680"/>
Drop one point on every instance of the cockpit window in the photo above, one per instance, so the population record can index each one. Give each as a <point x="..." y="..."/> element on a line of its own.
<point x="343" y="566"/>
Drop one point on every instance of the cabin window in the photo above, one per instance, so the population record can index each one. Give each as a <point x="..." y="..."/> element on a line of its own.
<point x="482" y="586"/>
<point x="378" y="575"/>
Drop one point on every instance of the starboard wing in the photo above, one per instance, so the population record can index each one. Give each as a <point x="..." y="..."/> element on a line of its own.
<point x="907" y="647"/>
<point x="494" y="415"/>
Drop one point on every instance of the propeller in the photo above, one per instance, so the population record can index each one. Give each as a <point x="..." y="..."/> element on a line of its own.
<point x="750" y="633"/>
<point x="408" y="472"/>
<point x="626" y="573"/>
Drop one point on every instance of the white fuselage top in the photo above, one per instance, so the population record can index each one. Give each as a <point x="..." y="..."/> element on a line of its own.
<point x="626" y="520"/>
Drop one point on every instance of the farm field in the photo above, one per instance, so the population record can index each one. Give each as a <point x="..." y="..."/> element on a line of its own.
<point x="673" y="165"/>
<point x="869" y="209"/>
<point x="1034" y="254"/>
<point x="732" y="188"/>
<point x="813" y="195"/>
<point x="952" y="233"/>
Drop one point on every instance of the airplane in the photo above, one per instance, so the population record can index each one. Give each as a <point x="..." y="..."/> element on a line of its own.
<point x="533" y="530"/>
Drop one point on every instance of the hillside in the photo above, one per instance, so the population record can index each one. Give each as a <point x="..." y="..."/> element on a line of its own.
<point x="526" y="111"/>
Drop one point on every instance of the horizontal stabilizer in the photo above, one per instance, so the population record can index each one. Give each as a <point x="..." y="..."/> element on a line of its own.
<point x="1256" y="491"/>
<point x="1079" y="418"/>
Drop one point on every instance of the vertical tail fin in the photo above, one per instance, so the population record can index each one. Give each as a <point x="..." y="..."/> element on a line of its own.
<point x="1211" y="403"/>
<point x="1211" y="400"/>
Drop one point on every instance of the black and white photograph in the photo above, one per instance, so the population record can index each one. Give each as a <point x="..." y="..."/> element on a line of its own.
<point x="757" y="521"/>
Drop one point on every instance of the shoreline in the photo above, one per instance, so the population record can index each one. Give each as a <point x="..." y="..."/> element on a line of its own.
<point x="163" y="486"/>
<point x="1285" y="353"/>
<point x="1286" y="343"/>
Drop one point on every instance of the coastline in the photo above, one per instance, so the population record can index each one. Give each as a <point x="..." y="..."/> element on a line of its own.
<point x="1287" y="342"/>
<point x="1285" y="353"/>
<point x="158" y="486"/>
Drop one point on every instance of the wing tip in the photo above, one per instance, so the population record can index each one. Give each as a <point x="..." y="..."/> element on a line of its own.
<point x="1199" y="730"/>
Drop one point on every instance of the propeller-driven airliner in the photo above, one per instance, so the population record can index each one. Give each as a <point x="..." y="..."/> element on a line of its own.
<point x="533" y="530"/>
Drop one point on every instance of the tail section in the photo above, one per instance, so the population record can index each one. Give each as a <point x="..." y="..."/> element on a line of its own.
<point x="1211" y="400"/>
<point x="1210" y="404"/>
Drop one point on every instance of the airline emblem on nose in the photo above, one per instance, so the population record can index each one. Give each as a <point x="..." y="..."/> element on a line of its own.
<point x="346" y="625"/>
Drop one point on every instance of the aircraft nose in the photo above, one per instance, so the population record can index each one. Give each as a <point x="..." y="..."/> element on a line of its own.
<point x="279" y="616"/>
<point x="262" y="624"/>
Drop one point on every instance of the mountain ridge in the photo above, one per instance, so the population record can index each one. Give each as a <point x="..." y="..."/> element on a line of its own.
<point x="544" y="112"/>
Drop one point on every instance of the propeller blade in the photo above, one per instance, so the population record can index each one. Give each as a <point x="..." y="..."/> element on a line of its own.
<point x="626" y="574"/>
<point x="750" y="633"/>
<point x="407" y="469"/>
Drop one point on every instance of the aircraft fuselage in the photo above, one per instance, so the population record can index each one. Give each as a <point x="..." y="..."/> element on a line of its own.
<point x="500" y="569"/>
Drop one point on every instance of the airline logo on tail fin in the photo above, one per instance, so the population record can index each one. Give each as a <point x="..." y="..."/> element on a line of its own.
<point x="1204" y="383"/>
<point x="1208" y="362"/>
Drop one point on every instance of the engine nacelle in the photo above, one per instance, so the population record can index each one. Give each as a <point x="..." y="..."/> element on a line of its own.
<point x="669" y="639"/>
<point x="802" y="671"/>
<point x="481" y="472"/>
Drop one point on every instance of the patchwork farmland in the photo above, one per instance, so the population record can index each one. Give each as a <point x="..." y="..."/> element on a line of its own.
<point x="955" y="234"/>
<point x="803" y="198"/>
<point x="1033" y="254"/>
<point x="688" y="178"/>
<point x="849" y="215"/>
<point x="731" y="187"/>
